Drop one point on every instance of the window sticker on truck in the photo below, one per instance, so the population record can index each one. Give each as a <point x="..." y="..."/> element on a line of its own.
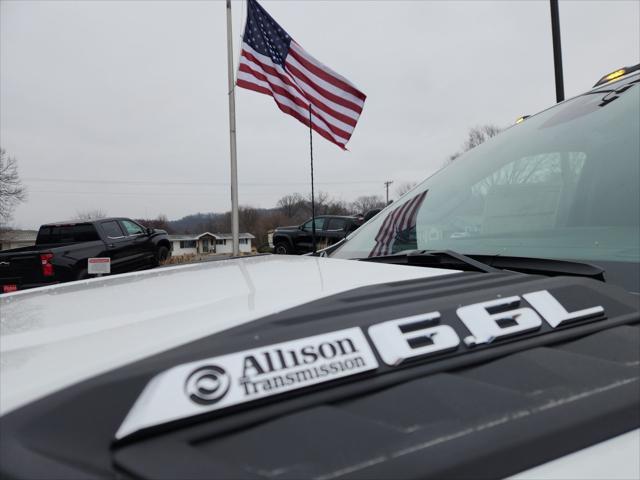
<point x="99" y="265"/>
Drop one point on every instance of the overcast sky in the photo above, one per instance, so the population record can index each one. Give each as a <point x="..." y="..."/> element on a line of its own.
<point x="122" y="105"/>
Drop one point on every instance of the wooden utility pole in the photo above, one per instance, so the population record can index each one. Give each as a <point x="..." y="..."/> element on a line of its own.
<point x="386" y="185"/>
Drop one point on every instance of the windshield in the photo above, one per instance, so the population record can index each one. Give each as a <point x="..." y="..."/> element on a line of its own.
<point x="563" y="184"/>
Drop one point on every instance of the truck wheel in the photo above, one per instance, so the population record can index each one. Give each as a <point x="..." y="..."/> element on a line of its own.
<point x="282" y="248"/>
<point x="163" y="255"/>
<point x="82" y="274"/>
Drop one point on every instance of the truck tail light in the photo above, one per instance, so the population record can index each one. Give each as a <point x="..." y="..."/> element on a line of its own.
<point x="47" y="267"/>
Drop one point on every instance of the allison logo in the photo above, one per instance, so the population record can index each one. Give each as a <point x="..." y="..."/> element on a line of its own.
<point x="207" y="385"/>
<point x="298" y="363"/>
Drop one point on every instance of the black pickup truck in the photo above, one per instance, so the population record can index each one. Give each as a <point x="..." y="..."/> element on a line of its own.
<point x="329" y="230"/>
<point x="62" y="251"/>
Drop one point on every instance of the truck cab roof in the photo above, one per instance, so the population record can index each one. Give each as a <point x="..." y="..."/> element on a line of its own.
<point x="80" y="222"/>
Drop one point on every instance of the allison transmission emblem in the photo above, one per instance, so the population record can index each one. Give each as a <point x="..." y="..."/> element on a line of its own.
<point x="207" y="385"/>
<point x="236" y="378"/>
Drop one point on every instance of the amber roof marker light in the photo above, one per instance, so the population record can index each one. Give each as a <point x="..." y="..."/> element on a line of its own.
<point x="617" y="74"/>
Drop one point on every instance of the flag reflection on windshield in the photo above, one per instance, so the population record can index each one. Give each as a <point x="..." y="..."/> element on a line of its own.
<point x="397" y="224"/>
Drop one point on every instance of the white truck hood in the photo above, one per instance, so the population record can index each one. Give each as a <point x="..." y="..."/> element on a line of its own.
<point x="55" y="336"/>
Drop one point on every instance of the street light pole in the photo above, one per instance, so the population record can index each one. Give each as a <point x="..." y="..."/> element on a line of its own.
<point x="557" y="50"/>
<point x="232" y="139"/>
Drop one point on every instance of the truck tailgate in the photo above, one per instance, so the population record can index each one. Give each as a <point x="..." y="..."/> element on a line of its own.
<point x="18" y="270"/>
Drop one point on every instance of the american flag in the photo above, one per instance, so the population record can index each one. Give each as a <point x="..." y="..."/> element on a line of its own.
<point x="398" y="221"/>
<point x="272" y="63"/>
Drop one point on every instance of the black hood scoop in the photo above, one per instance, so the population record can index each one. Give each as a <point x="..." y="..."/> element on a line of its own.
<point x="477" y="409"/>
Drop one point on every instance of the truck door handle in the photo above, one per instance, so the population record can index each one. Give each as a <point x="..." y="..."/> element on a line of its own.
<point x="111" y="245"/>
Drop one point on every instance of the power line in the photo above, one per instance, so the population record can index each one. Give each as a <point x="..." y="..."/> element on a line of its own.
<point x="130" y="194"/>
<point x="203" y="184"/>
<point x="156" y="194"/>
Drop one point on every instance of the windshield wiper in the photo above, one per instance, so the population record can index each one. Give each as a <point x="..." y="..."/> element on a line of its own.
<point x="491" y="263"/>
<point x="435" y="259"/>
<point x="544" y="266"/>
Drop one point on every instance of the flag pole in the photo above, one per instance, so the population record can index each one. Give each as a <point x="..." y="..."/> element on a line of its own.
<point x="557" y="50"/>
<point x="232" y="138"/>
<point x="313" y="202"/>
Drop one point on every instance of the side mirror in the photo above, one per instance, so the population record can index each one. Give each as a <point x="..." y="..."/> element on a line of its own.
<point x="301" y="227"/>
<point x="149" y="231"/>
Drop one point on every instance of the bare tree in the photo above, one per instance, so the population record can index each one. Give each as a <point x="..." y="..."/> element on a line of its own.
<point x="95" y="214"/>
<point x="367" y="202"/>
<point x="337" y="207"/>
<point x="479" y="135"/>
<point x="321" y="201"/>
<point x="297" y="207"/>
<point x="12" y="191"/>
<point x="219" y="223"/>
<point x="404" y="187"/>
<point x="290" y="205"/>
<point x="475" y="137"/>
<point x="268" y="221"/>
<point x="161" y="222"/>
<point x="546" y="167"/>
<point x="248" y="218"/>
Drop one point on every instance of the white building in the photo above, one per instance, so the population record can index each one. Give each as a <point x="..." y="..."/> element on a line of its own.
<point x="224" y="242"/>
<point x="207" y="242"/>
<point x="17" y="238"/>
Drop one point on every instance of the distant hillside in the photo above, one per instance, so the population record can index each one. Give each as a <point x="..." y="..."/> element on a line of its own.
<point x="256" y="221"/>
<point x="196" y="223"/>
<point x="291" y="209"/>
